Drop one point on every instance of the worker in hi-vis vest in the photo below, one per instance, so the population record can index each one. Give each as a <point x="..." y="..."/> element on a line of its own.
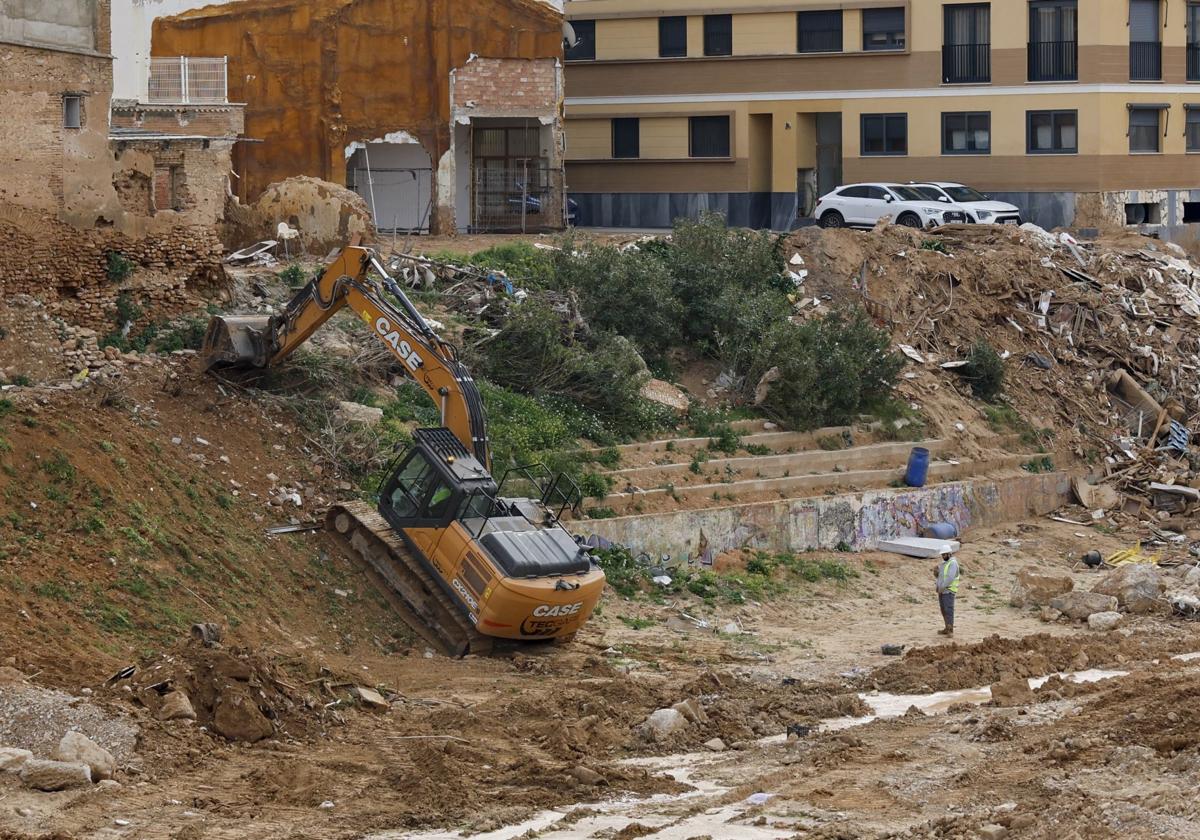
<point x="947" y="587"/>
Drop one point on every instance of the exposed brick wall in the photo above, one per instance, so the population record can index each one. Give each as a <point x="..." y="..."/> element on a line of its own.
<point x="506" y="87"/>
<point x="202" y="121"/>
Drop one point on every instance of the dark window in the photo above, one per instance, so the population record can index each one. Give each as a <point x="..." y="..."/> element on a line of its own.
<point x="585" y="41"/>
<point x="966" y="45"/>
<point x="1191" y="212"/>
<point x="708" y="137"/>
<point x="72" y="112"/>
<point x="967" y="133"/>
<point x="1053" y="41"/>
<point x="884" y="134"/>
<point x="819" y="31"/>
<point x="718" y="34"/>
<point x="626" y="137"/>
<point x="878" y="193"/>
<point x="854" y="192"/>
<point x="1051" y="131"/>
<point x="1193" y="129"/>
<point x="883" y="29"/>
<point x="672" y="37"/>
<point x="1144" y="130"/>
<point x="1145" y="41"/>
<point x="1193" y="45"/>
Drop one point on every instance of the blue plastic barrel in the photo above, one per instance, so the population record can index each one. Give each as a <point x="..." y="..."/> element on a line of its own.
<point x="918" y="467"/>
<point x="942" y="530"/>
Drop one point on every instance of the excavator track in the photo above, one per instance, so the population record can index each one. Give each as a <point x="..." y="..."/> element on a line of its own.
<point x="404" y="581"/>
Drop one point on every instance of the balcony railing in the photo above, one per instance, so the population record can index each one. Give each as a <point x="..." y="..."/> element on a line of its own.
<point x="1193" y="63"/>
<point x="1053" y="61"/>
<point x="1145" y="61"/>
<point x="188" y="81"/>
<point x="966" y="63"/>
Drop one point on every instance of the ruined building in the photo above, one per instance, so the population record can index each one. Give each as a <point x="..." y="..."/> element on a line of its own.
<point x="75" y="185"/>
<point x="442" y="115"/>
<point x="1079" y="111"/>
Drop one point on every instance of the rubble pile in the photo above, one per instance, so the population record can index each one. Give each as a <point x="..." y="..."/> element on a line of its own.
<point x="1099" y="337"/>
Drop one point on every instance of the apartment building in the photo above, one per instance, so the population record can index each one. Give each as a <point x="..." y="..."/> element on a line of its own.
<point x="1079" y="111"/>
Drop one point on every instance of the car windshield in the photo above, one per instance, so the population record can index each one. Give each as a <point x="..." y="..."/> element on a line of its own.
<point x="908" y="194"/>
<point x="929" y="193"/>
<point x="965" y="194"/>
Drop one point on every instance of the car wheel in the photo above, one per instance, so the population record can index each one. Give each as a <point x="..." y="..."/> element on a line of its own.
<point x="832" y="219"/>
<point x="909" y="220"/>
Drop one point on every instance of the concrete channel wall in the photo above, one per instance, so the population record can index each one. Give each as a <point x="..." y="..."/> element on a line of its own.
<point x="859" y="520"/>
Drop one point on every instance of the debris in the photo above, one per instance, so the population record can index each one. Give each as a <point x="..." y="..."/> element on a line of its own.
<point x="207" y="633"/>
<point x="587" y="776"/>
<point x="12" y="759"/>
<point x="1136" y="586"/>
<point x="798" y="730"/>
<point x="918" y="546"/>
<point x="911" y="352"/>
<point x="370" y="697"/>
<point x="662" y="724"/>
<point x="892" y="649"/>
<point x="352" y="412"/>
<point x="327" y="805"/>
<point x="1102" y="622"/>
<point x="55" y="775"/>
<point x="237" y="717"/>
<point x="664" y="393"/>
<point x="77" y="747"/>
<point x="1035" y="588"/>
<point x="715" y="744"/>
<point x="176" y="706"/>
<point x="1078" y="605"/>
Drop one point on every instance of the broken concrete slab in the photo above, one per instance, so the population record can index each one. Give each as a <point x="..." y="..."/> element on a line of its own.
<point x="918" y="546"/>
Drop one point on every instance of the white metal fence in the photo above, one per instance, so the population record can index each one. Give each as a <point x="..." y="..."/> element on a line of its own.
<point x="188" y="80"/>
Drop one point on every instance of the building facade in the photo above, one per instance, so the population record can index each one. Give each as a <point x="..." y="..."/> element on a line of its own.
<point x="1079" y="111"/>
<point x="444" y="115"/>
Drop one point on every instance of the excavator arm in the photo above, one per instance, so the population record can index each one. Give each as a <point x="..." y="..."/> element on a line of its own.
<point x="263" y="342"/>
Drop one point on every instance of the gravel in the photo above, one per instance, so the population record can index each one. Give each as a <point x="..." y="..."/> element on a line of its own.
<point x="35" y="719"/>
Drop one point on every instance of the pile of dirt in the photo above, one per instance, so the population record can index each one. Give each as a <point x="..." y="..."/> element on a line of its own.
<point x="948" y="667"/>
<point x="326" y="215"/>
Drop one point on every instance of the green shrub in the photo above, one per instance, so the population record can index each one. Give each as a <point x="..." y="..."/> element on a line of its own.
<point x="984" y="371"/>
<point x="595" y="485"/>
<point x="831" y="369"/>
<point x="293" y="275"/>
<point x="117" y="267"/>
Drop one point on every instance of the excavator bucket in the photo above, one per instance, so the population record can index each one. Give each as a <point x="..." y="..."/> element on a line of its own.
<point x="236" y="341"/>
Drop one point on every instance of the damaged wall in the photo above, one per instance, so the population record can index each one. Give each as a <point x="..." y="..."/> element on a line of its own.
<point x="319" y="75"/>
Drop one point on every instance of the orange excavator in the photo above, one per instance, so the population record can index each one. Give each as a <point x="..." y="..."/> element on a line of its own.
<point x="462" y="562"/>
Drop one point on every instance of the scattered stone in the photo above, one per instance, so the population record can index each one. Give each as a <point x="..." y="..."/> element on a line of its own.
<point x="370" y="698"/>
<point x="716" y="745"/>
<point x="1136" y="586"/>
<point x="79" y="748"/>
<point x="176" y="706"/>
<point x="1078" y="605"/>
<point x="1036" y="588"/>
<point x="55" y="775"/>
<point x="237" y="717"/>
<point x="666" y="394"/>
<point x="691" y="710"/>
<point x="663" y="723"/>
<point x="1012" y="691"/>
<point x="992" y="831"/>
<point x="352" y="412"/>
<point x="327" y="805"/>
<point x="12" y="759"/>
<point x="913" y="711"/>
<point x="1102" y="622"/>
<point x="1049" y="614"/>
<point x="1192" y="577"/>
<point x="585" y="776"/>
<point x="763" y="389"/>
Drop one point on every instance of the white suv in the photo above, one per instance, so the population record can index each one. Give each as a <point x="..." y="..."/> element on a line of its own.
<point x="862" y="205"/>
<point x="979" y="207"/>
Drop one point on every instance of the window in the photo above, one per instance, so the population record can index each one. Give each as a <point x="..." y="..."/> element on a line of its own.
<point x="966" y="44"/>
<point x="1193" y="45"/>
<point x="883" y="29"/>
<point x="708" y="137"/>
<point x="884" y="134"/>
<point x="854" y="192"/>
<point x="1144" y="130"/>
<point x="819" y="31"/>
<point x="967" y="133"/>
<point x="1145" y="41"/>
<point x="672" y="37"/>
<point x="585" y="41"/>
<point x="1192" y="128"/>
<point x="1051" y="132"/>
<point x="718" y="34"/>
<point x="626" y="137"/>
<point x="1053" y="41"/>
<point x="72" y="112"/>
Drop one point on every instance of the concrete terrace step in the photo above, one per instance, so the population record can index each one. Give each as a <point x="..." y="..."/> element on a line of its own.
<point x="779" y="441"/>
<point x="775" y="466"/>
<point x="707" y="495"/>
